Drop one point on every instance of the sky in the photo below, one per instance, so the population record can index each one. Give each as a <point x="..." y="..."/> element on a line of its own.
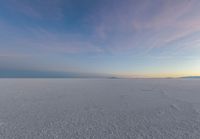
<point x="83" y="38"/>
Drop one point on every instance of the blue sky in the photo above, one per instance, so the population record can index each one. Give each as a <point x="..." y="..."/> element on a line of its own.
<point x="126" y="38"/>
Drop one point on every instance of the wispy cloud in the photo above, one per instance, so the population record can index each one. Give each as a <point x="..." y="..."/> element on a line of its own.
<point x="50" y="9"/>
<point x="42" y="41"/>
<point x="148" y="24"/>
<point x="114" y="26"/>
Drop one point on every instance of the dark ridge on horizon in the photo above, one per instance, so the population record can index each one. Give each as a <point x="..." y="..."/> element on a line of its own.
<point x="191" y="77"/>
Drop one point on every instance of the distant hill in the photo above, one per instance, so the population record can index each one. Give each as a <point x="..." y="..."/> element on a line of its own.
<point x="113" y="78"/>
<point x="191" y="77"/>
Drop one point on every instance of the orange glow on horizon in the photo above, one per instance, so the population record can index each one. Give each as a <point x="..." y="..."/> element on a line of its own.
<point x="156" y="75"/>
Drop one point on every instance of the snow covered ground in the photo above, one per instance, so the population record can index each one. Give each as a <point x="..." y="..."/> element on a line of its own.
<point x="99" y="109"/>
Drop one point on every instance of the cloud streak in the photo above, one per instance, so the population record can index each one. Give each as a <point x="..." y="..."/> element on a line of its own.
<point x="50" y="9"/>
<point x="157" y="23"/>
<point x="120" y="26"/>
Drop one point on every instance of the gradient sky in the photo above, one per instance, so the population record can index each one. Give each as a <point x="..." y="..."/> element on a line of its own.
<point x="128" y="38"/>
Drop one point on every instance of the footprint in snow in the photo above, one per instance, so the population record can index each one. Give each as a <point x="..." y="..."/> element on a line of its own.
<point x="175" y="107"/>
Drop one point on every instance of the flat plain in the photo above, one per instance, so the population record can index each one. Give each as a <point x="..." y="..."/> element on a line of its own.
<point x="99" y="108"/>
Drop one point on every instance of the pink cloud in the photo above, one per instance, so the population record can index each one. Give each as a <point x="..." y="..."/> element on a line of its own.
<point x="173" y="20"/>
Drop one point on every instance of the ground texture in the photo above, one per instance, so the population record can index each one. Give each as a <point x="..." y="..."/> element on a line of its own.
<point x="99" y="109"/>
